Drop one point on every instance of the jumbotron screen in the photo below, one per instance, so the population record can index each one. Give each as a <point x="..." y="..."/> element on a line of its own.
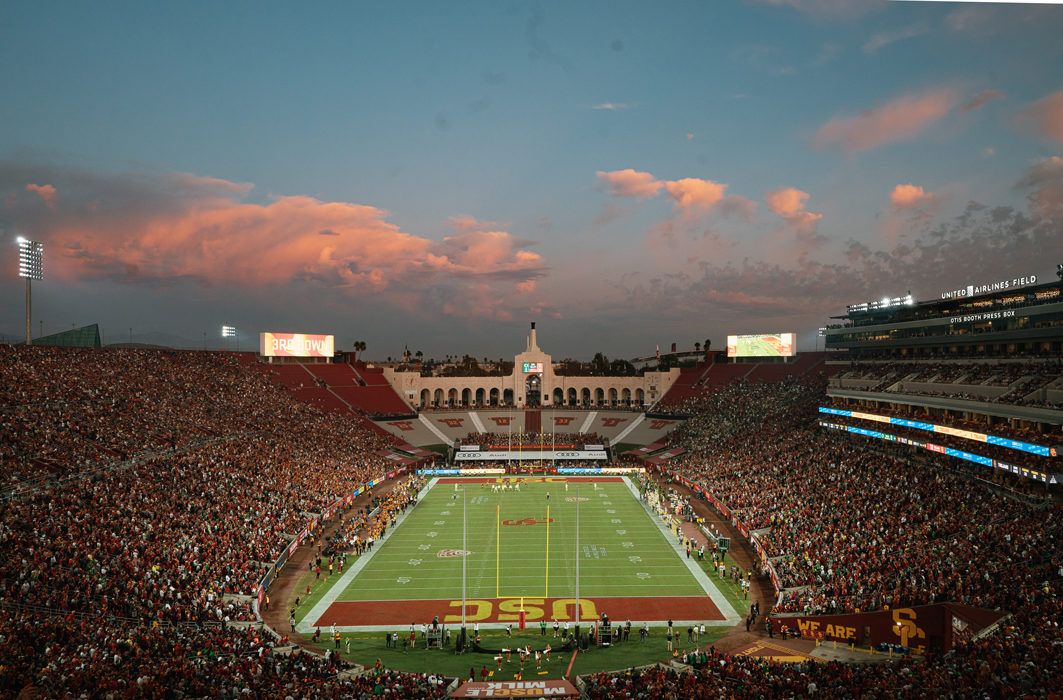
<point x="295" y="345"/>
<point x="765" y="345"/>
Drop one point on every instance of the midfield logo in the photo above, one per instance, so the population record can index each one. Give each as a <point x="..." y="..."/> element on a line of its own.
<point x="528" y="521"/>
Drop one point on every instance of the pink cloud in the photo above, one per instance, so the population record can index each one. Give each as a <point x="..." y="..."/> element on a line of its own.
<point x="692" y="192"/>
<point x="161" y="229"/>
<point x="911" y="196"/>
<point x="1045" y="116"/>
<point x="45" y="192"/>
<point x="980" y="99"/>
<point x="789" y="203"/>
<point x="897" y="120"/>
<point x="630" y="183"/>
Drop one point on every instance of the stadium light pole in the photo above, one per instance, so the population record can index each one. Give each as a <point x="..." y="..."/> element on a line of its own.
<point x="578" y="608"/>
<point x="30" y="267"/>
<point x="464" y="549"/>
<point x="229" y="332"/>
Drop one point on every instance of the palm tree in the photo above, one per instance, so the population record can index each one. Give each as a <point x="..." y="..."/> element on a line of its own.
<point x="697" y="347"/>
<point x="419" y="355"/>
<point x="359" y="346"/>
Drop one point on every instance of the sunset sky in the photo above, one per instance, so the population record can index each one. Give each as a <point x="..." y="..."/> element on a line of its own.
<point x="436" y="175"/>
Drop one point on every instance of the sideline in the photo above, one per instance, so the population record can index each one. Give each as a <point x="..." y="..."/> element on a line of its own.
<point x="315" y="613"/>
<point x="731" y="616"/>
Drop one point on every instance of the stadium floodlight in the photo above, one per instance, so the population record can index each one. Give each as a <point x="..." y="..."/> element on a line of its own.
<point x="229" y="332"/>
<point x="30" y="267"/>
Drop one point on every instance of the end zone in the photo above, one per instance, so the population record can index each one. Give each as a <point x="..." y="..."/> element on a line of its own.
<point x="499" y="612"/>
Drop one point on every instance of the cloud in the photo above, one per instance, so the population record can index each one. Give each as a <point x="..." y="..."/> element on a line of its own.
<point x="905" y="197"/>
<point x="756" y="294"/>
<point x="630" y="183"/>
<point x="45" y="192"/>
<point x="789" y="203"/>
<point x="1044" y="179"/>
<point x="883" y="39"/>
<point x="980" y="99"/>
<point x="900" y="119"/>
<point x="692" y="192"/>
<point x="827" y="8"/>
<point x="800" y="236"/>
<point x="1045" y="117"/>
<point x="160" y="229"/>
<point x="613" y="106"/>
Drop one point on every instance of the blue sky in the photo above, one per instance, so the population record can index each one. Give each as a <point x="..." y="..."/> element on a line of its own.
<point x="438" y="174"/>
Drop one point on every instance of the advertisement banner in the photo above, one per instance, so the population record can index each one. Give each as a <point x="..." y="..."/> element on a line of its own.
<point x="295" y="345"/>
<point x="920" y="628"/>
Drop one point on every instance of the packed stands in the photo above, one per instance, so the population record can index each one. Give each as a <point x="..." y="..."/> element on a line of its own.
<point x="848" y="527"/>
<point x="1026" y="383"/>
<point x="143" y="491"/>
<point x="496" y="440"/>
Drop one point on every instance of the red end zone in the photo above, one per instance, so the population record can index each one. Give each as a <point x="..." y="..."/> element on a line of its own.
<point x="530" y="479"/>
<point x="393" y="613"/>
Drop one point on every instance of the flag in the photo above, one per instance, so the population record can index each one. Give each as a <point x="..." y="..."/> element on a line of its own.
<point x="658" y="351"/>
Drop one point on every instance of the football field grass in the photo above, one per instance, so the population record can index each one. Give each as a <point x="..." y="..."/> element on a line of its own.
<point x="520" y="548"/>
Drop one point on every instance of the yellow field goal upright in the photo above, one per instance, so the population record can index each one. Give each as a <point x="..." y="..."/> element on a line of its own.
<point x="498" y="555"/>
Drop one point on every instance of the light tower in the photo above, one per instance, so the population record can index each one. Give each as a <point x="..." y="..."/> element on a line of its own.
<point x="30" y="267"/>
<point x="230" y="332"/>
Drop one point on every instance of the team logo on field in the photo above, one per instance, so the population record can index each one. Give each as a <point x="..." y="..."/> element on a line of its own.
<point x="452" y="422"/>
<point x="402" y="424"/>
<point x="612" y="422"/>
<point x="448" y="553"/>
<point x="563" y="420"/>
<point x="528" y="521"/>
<point x="658" y="424"/>
<point x="573" y="499"/>
<point x="501" y="420"/>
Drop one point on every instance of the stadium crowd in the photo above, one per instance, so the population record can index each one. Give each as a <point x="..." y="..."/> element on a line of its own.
<point x="177" y="476"/>
<point x="496" y="440"/>
<point x="1023" y="380"/>
<point x="852" y="528"/>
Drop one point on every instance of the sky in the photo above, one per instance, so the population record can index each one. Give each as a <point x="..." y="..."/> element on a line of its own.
<point x="436" y="175"/>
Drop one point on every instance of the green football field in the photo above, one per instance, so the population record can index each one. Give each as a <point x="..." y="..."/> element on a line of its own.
<point x="521" y="547"/>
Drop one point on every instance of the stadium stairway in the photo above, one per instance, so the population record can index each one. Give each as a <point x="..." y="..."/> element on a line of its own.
<point x="533" y="420"/>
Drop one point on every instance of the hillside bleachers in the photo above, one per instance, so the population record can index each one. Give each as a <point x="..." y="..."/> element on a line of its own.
<point x="374" y="400"/>
<point x="371" y="376"/>
<point x="720" y="373"/>
<point x="334" y="375"/>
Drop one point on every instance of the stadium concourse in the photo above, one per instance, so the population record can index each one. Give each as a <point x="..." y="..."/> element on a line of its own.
<point x="143" y="490"/>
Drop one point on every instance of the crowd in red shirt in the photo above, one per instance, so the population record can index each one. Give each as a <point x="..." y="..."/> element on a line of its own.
<point x="144" y="491"/>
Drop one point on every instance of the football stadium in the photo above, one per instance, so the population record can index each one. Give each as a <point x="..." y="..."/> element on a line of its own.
<point x="880" y="518"/>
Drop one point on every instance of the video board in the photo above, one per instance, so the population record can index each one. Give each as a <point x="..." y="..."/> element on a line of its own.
<point x="533" y="367"/>
<point x="761" y="345"/>
<point x="295" y="345"/>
